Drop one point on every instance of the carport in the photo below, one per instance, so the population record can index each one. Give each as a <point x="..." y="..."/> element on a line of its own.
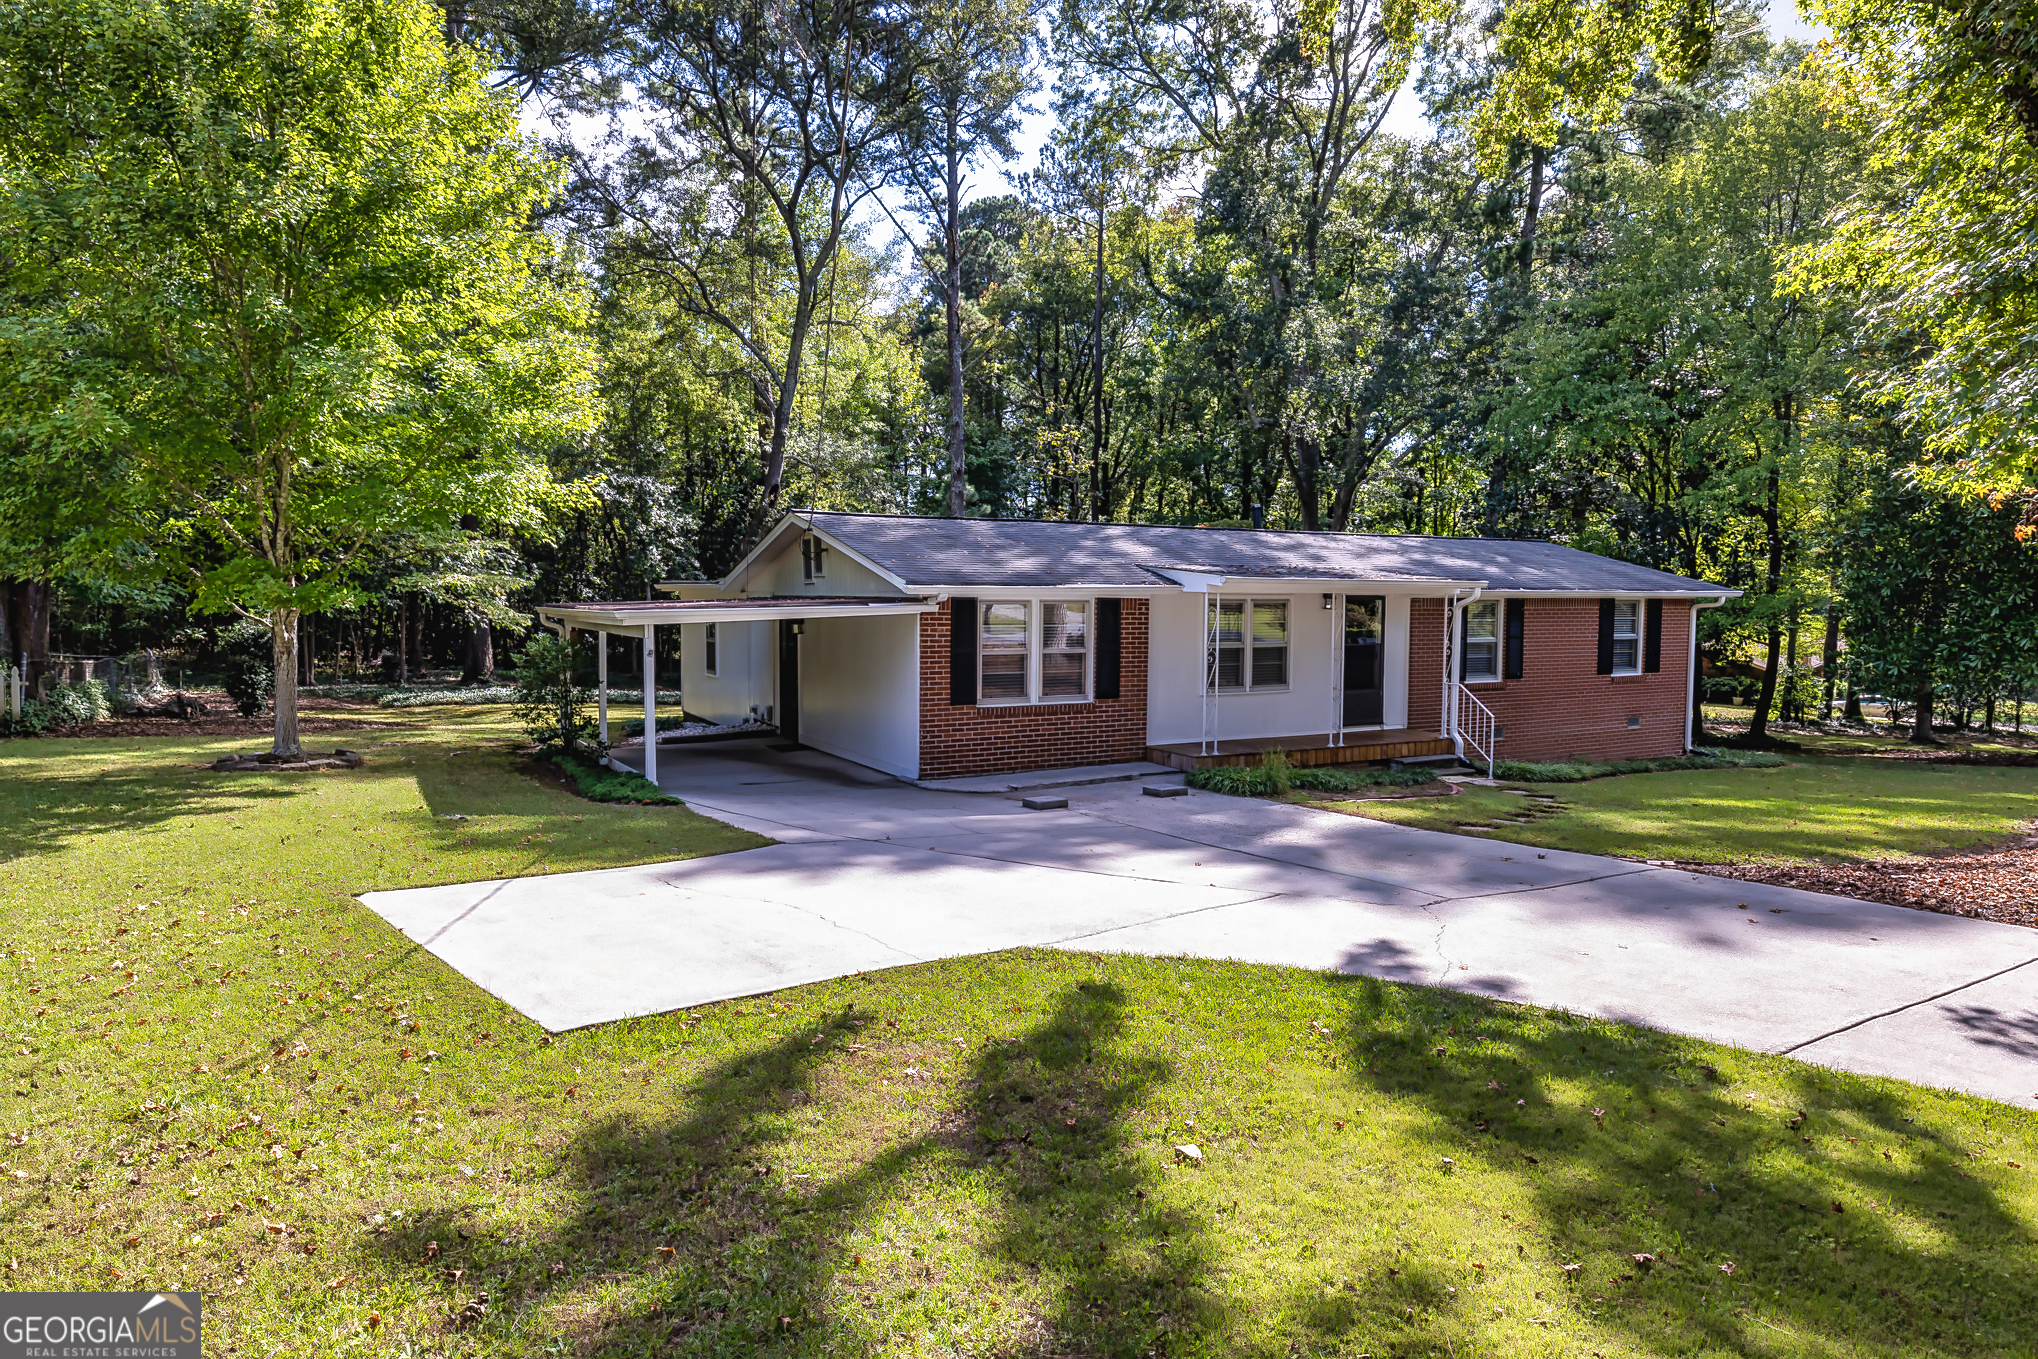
<point x="643" y="617"/>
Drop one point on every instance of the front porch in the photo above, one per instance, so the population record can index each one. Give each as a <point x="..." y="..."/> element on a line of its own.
<point x="1356" y="747"/>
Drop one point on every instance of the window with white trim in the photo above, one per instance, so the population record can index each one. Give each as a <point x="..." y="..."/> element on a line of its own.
<point x="711" y="651"/>
<point x="1627" y="636"/>
<point x="813" y="558"/>
<point x="1248" y="644"/>
<point x="1482" y="640"/>
<point x="1033" y="650"/>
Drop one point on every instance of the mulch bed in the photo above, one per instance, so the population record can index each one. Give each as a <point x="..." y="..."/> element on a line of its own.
<point x="2014" y="759"/>
<point x="222" y="720"/>
<point x="1999" y="884"/>
<point x="1435" y="788"/>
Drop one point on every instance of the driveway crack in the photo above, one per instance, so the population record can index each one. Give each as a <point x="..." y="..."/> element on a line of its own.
<point x="1951" y="990"/>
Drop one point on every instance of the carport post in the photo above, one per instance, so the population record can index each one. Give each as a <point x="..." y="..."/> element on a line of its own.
<point x="651" y="702"/>
<point x="601" y="688"/>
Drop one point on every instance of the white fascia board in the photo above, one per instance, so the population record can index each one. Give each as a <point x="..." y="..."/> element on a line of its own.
<point x="615" y="620"/>
<point x="1614" y="594"/>
<point x="1191" y="582"/>
<point x="1077" y="591"/>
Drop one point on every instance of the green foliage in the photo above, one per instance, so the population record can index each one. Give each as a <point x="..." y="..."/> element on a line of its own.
<point x="1940" y="588"/>
<point x="552" y="706"/>
<point x="1578" y="771"/>
<point x="250" y="682"/>
<point x="1275" y="777"/>
<point x="71" y="704"/>
<point x="278" y="253"/>
<point x="1937" y="245"/>
<point x="635" y="725"/>
<point x="599" y="784"/>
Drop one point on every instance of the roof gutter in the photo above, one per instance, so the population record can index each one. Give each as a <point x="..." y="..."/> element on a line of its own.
<point x="1691" y="699"/>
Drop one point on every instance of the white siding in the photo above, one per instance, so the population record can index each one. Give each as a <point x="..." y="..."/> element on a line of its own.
<point x="781" y="574"/>
<point x="1309" y="704"/>
<point x="860" y="691"/>
<point x="745" y="675"/>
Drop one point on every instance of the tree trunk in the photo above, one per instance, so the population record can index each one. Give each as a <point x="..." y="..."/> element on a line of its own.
<point x="958" y="482"/>
<point x="402" y="641"/>
<point x="307" y="650"/>
<point x="480" y="653"/>
<point x="33" y="601"/>
<point x="1988" y="716"/>
<point x="1758" y="722"/>
<point x="1921" y="720"/>
<point x="1097" y="379"/>
<point x="283" y="643"/>
<point x="1539" y="158"/>
<point x="1790" y="710"/>
<point x="8" y="655"/>
<point x="416" y="641"/>
<point x="1831" y="658"/>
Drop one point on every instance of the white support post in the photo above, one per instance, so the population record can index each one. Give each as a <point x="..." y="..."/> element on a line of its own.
<point x="601" y="688"/>
<point x="1337" y="706"/>
<point x="651" y="702"/>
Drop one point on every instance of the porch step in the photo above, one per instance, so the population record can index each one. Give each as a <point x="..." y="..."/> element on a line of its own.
<point x="1028" y="779"/>
<point x="1435" y="764"/>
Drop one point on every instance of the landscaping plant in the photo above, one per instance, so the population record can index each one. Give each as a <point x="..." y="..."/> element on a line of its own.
<point x="350" y="1150"/>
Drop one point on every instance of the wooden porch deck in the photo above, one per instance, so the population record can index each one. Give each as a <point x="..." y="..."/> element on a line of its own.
<point x="1360" y="747"/>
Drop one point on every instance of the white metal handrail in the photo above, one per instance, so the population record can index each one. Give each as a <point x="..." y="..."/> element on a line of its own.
<point x="1475" y="727"/>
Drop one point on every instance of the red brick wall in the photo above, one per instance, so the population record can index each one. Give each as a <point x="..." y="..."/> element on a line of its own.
<point x="1562" y="706"/>
<point x="956" y="742"/>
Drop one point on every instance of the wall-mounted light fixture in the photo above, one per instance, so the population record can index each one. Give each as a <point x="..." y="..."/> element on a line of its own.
<point x="1326" y="601"/>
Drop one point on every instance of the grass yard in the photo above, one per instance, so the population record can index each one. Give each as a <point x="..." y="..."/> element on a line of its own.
<point x="1815" y="807"/>
<point x="227" y="1075"/>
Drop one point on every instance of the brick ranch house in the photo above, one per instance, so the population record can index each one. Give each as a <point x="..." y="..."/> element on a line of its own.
<point x="937" y="648"/>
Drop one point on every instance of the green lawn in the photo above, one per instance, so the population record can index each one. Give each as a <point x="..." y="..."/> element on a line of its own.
<point x="344" y="1146"/>
<point x="1816" y="807"/>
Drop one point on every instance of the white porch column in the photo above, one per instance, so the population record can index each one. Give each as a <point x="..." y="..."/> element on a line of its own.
<point x="651" y="702"/>
<point x="601" y="688"/>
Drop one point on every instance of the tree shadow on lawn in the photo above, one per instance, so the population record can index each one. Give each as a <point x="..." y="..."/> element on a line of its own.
<point x="47" y="809"/>
<point x="1823" y="1219"/>
<point x="723" y="1249"/>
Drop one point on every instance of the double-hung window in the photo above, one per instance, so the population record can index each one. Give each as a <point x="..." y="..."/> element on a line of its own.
<point x="711" y="652"/>
<point x="1034" y="650"/>
<point x="1627" y="636"/>
<point x="813" y="559"/>
<point x="1482" y="640"/>
<point x="1248" y="644"/>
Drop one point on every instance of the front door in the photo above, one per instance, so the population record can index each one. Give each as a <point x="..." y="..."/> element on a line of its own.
<point x="1363" y="656"/>
<point x="789" y="680"/>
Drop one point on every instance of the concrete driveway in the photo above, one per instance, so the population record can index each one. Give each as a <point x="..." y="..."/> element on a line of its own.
<point x="872" y="873"/>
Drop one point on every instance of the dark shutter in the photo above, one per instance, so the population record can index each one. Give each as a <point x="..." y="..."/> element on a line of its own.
<point x="1109" y="629"/>
<point x="1464" y="627"/>
<point x="1606" y="637"/>
<point x="1511" y="669"/>
<point x="1652" y="636"/>
<point x="962" y="653"/>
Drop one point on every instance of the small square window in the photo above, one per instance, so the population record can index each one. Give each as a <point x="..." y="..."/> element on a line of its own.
<point x="1482" y="640"/>
<point x="1627" y="636"/>
<point x="1064" y="646"/>
<point x="1241" y="661"/>
<point x="1005" y="646"/>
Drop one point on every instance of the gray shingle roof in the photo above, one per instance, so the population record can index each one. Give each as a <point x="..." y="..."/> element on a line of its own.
<point x="929" y="553"/>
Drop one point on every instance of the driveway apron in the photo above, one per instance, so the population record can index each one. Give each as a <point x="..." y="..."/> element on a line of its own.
<point x="870" y="872"/>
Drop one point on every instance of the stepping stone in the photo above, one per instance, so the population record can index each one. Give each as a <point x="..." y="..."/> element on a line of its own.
<point x="1173" y="790"/>
<point x="1043" y="804"/>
